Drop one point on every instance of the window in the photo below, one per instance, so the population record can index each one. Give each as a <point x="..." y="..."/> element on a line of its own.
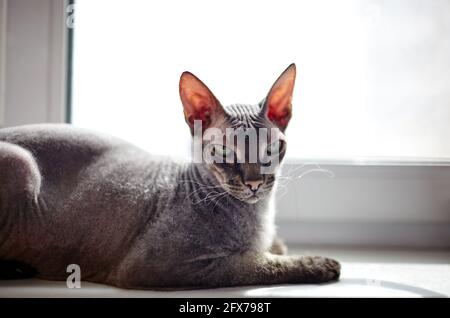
<point x="368" y="156"/>
<point x="372" y="75"/>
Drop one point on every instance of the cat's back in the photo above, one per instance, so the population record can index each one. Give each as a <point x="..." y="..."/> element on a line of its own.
<point x="71" y="159"/>
<point x="75" y="160"/>
<point x="61" y="146"/>
<point x="58" y="137"/>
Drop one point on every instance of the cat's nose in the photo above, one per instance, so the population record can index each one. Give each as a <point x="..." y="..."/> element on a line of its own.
<point x="254" y="184"/>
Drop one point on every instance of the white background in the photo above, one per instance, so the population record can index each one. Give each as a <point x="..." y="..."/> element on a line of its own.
<point x="373" y="76"/>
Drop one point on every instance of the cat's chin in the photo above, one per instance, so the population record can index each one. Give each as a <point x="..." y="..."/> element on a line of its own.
<point x="249" y="200"/>
<point x="252" y="200"/>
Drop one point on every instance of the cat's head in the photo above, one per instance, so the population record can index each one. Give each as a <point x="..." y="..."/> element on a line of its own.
<point x="243" y="145"/>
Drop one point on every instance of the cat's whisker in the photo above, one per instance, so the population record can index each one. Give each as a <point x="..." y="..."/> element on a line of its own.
<point x="285" y="180"/>
<point x="282" y="191"/>
<point x="219" y="199"/>
<point x="282" y="188"/>
<point x="328" y="173"/>
<point x="284" y="177"/>
<point x="284" y="183"/>
<point x="215" y="196"/>
<point x="211" y="195"/>
<point x="291" y="171"/>
<point x="201" y="188"/>
<point x="198" y="183"/>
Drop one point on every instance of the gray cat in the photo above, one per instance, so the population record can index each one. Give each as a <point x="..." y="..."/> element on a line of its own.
<point x="133" y="220"/>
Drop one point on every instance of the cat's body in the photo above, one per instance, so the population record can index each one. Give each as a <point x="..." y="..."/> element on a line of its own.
<point x="117" y="211"/>
<point x="130" y="219"/>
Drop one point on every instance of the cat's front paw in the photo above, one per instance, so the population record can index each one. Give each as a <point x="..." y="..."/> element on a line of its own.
<point x="321" y="269"/>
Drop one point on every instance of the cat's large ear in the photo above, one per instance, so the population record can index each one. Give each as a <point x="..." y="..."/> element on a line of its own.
<point x="278" y="103"/>
<point x="198" y="101"/>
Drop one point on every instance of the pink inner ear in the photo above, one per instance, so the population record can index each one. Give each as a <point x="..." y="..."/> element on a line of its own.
<point x="280" y="117"/>
<point x="198" y="101"/>
<point x="279" y="108"/>
<point x="200" y="109"/>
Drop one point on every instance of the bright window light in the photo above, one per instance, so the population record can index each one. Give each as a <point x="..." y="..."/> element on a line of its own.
<point x="373" y="76"/>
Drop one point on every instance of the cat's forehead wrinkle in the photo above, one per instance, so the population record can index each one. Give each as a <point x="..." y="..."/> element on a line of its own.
<point x="244" y="116"/>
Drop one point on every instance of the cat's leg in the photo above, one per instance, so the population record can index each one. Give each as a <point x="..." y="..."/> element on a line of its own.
<point x="20" y="182"/>
<point x="267" y="269"/>
<point x="234" y="270"/>
<point x="19" y="173"/>
<point x="278" y="247"/>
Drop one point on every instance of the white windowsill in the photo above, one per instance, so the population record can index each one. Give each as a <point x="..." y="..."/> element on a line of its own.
<point x="365" y="273"/>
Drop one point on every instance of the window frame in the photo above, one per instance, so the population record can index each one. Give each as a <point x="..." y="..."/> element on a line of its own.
<point x="45" y="83"/>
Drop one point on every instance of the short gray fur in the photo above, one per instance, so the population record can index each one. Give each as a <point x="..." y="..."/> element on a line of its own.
<point x="134" y="220"/>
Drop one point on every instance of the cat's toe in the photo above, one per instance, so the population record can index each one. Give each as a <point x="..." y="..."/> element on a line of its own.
<point x="332" y="269"/>
<point x="326" y="269"/>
